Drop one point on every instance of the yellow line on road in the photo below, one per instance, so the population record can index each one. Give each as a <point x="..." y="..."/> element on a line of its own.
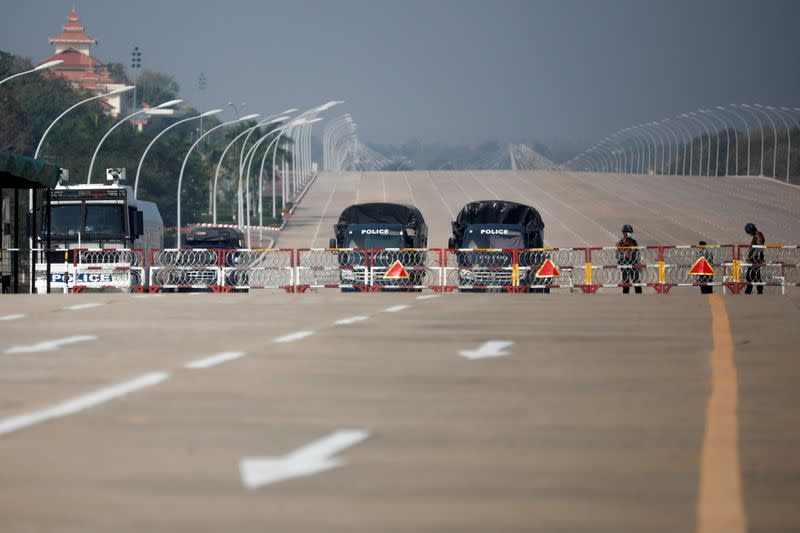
<point x="720" y="507"/>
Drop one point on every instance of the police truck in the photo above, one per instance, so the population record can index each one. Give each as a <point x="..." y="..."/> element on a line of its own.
<point x="485" y="233"/>
<point x="98" y="217"/>
<point x="379" y="232"/>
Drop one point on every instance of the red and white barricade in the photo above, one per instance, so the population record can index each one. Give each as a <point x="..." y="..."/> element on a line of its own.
<point x="258" y="269"/>
<point x="185" y="269"/>
<point x="332" y="268"/>
<point x="108" y="269"/>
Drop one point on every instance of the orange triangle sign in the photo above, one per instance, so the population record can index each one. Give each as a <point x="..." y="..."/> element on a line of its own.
<point x="396" y="271"/>
<point x="701" y="267"/>
<point x="548" y="270"/>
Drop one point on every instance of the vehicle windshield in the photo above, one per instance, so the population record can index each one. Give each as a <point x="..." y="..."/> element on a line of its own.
<point x="66" y="220"/>
<point x="493" y="236"/>
<point x="106" y="220"/>
<point x="375" y="236"/>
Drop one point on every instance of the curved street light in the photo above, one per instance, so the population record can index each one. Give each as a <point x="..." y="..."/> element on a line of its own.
<point x="760" y="108"/>
<point x="219" y="168"/>
<point x="115" y="126"/>
<point x="716" y="132"/>
<point x="694" y="117"/>
<point x="186" y="159"/>
<point x="746" y="131"/>
<point x="747" y="108"/>
<point x="161" y="133"/>
<point x="767" y="108"/>
<point x="43" y="66"/>
<point x="97" y="97"/>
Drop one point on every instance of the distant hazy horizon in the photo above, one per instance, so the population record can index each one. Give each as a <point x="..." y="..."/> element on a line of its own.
<point x="453" y="72"/>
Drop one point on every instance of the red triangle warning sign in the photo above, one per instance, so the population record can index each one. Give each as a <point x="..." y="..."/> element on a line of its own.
<point x="701" y="267"/>
<point x="396" y="271"/>
<point x="548" y="270"/>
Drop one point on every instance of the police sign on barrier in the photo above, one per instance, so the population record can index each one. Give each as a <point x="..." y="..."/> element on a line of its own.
<point x="122" y="269"/>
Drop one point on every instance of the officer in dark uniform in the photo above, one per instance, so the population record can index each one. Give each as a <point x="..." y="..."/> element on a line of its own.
<point x="709" y="256"/>
<point x="628" y="259"/>
<point x="755" y="256"/>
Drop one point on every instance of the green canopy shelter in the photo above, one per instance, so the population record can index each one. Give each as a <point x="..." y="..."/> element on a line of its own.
<point x="19" y="172"/>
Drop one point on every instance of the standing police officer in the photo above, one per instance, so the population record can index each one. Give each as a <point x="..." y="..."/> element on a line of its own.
<point x="755" y="256"/>
<point x="628" y="259"/>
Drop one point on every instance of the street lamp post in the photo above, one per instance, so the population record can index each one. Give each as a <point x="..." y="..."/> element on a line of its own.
<point x="774" y="139"/>
<point x="43" y="66"/>
<point x="115" y="126"/>
<point x="106" y="95"/>
<point x="675" y="137"/>
<point x="693" y="117"/>
<point x="186" y="159"/>
<point x="761" y="129"/>
<point x="246" y="176"/>
<point x="687" y="133"/>
<point x="161" y="133"/>
<point x="721" y="117"/>
<point x="664" y="142"/>
<point x="788" y="140"/>
<point x="747" y="132"/>
<point x="716" y="132"/>
<point x="216" y="177"/>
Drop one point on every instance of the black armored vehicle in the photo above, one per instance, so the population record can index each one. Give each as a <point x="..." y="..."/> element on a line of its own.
<point x="495" y="228"/>
<point x="378" y="232"/>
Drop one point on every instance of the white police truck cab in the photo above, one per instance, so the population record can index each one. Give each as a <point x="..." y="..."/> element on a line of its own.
<point x="98" y="217"/>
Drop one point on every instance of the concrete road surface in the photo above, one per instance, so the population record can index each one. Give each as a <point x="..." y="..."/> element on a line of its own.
<point x="478" y="412"/>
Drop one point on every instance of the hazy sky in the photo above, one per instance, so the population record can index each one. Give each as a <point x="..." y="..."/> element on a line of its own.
<point x="447" y="70"/>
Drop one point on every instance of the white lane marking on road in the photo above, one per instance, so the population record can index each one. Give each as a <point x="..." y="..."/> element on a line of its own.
<point x="49" y="346"/>
<point x="11" y="317"/>
<point x="154" y="295"/>
<point x="427" y="296"/>
<point x="80" y="307"/>
<point x="214" y="360"/>
<point x="69" y="407"/>
<point x="311" y="459"/>
<point x="291" y="337"/>
<point x="487" y="349"/>
<point x="396" y="308"/>
<point x="351" y="320"/>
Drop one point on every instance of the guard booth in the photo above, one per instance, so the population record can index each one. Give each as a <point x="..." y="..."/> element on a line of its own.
<point x="20" y="177"/>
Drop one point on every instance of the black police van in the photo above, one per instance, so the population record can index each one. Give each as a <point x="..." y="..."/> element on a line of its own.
<point x="503" y="225"/>
<point x="380" y="225"/>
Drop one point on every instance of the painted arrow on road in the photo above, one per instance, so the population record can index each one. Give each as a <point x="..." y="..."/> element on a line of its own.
<point x="306" y="461"/>
<point x="487" y="349"/>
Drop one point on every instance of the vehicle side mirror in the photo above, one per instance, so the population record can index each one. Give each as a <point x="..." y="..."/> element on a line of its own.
<point x="451" y="243"/>
<point x="139" y="223"/>
<point x="136" y="222"/>
<point x="332" y="243"/>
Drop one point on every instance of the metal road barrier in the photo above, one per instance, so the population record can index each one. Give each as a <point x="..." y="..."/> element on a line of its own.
<point x="488" y="269"/>
<point x="661" y="268"/>
<point x="635" y="266"/>
<point x="332" y="268"/>
<point x="696" y="266"/>
<point x="405" y="269"/>
<point x="258" y="269"/>
<point x="511" y="270"/>
<point x="120" y="269"/>
<point x="185" y="269"/>
<point x="767" y="266"/>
